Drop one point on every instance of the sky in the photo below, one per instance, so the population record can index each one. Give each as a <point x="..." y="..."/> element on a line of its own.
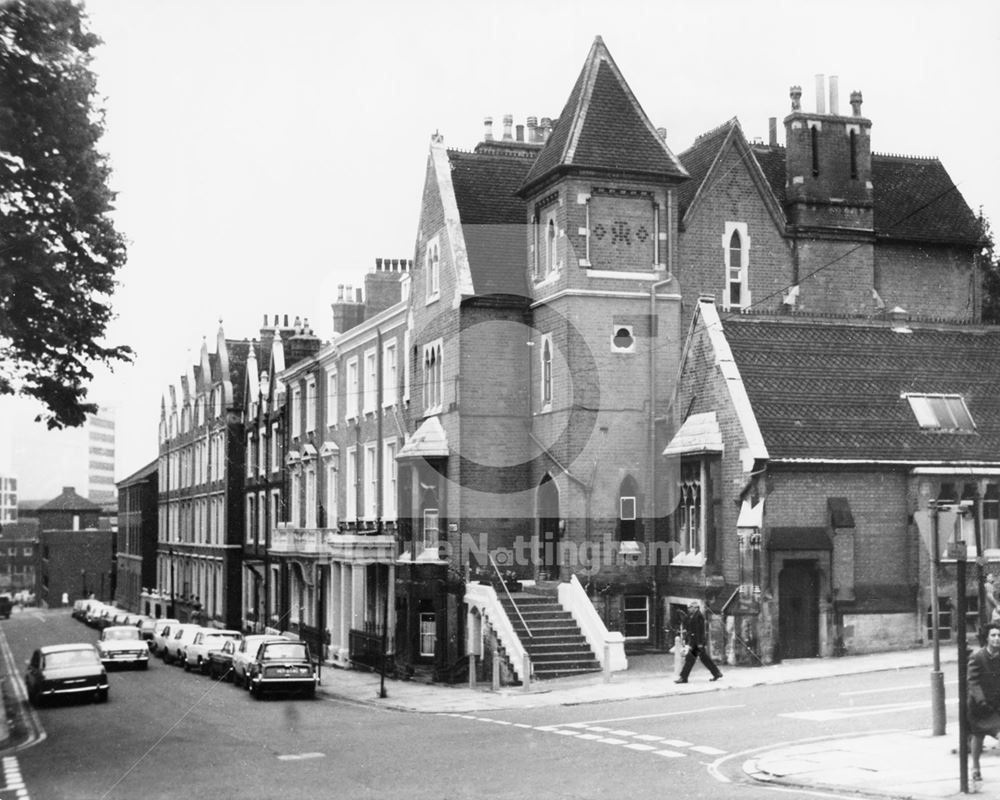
<point x="265" y="153"/>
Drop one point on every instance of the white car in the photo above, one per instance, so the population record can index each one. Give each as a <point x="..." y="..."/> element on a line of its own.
<point x="180" y="637"/>
<point x="246" y="653"/>
<point x="123" y="644"/>
<point x="161" y="630"/>
<point x="204" y="642"/>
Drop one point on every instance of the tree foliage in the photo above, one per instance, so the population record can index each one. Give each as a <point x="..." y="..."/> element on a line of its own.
<point x="989" y="268"/>
<point x="59" y="249"/>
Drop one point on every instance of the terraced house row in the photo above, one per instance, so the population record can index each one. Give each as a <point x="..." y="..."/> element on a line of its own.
<point x="611" y="379"/>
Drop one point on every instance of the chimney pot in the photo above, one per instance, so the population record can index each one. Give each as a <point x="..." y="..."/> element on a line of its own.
<point x="520" y="133"/>
<point x="834" y="96"/>
<point x="378" y="264"/>
<point x="488" y="124"/>
<point x="358" y="294"/>
<point x="856" y="103"/>
<point x="820" y="93"/>
<point x="508" y="122"/>
<point x="795" y="92"/>
<point x="286" y="320"/>
<point x="772" y="131"/>
<point x="395" y="264"/>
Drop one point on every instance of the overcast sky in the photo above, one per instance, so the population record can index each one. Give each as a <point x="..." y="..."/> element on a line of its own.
<point x="265" y="152"/>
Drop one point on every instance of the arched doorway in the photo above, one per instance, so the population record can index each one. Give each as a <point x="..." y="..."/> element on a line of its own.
<point x="798" y="609"/>
<point x="549" y="531"/>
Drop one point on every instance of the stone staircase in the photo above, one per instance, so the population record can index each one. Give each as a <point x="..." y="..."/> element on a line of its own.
<point x="557" y="647"/>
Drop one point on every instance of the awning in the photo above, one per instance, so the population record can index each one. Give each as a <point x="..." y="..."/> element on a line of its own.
<point x="798" y="539"/>
<point x="428" y="441"/>
<point x="698" y="434"/>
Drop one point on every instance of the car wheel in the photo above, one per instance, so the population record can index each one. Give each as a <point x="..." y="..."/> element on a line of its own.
<point x="102" y="696"/>
<point x="311" y="693"/>
<point x="257" y="691"/>
<point x="185" y="663"/>
<point x="144" y="665"/>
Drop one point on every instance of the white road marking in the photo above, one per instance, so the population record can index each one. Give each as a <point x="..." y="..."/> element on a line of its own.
<point x="677" y="743"/>
<point x="708" y="751"/>
<point x="299" y="756"/>
<point x="670" y="754"/>
<point x="827" y="714"/>
<point x="656" y="716"/>
<point x="893" y="689"/>
<point x="611" y="740"/>
<point x="639" y="747"/>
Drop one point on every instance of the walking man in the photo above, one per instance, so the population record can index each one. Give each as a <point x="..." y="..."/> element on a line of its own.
<point x="696" y="644"/>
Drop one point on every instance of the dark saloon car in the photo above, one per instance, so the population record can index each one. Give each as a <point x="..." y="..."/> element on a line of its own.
<point x="220" y="662"/>
<point x="66" y="670"/>
<point x="282" y="666"/>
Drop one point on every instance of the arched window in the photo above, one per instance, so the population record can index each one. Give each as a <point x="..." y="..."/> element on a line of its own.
<point x="546" y="372"/>
<point x="814" y="138"/>
<point x="736" y="256"/>
<point x="433" y="264"/>
<point x="735" y="269"/>
<point x="550" y="246"/>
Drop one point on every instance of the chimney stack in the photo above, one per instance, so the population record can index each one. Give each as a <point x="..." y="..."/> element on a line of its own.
<point x="834" y="95"/>
<point x="795" y="92"/>
<point x="488" y="124"/>
<point x="532" y="129"/>
<point x="520" y="132"/>
<point x="856" y="103"/>
<point x="508" y="122"/>
<point x="820" y="93"/>
<point x="772" y="131"/>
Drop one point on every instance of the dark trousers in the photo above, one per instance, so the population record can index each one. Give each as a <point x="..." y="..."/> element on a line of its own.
<point x="695" y="653"/>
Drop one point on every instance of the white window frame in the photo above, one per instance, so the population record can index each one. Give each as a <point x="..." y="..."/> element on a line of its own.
<point x="390" y="370"/>
<point x="331" y="404"/>
<point x="406" y="366"/>
<point x="371" y="477"/>
<point x="275" y="453"/>
<point x="432" y="270"/>
<point x="390" y="478"/>
<point x="332" y="511"/>
<point x="249" y="454"/>
<point x="430" y="515"/>
<point x="295" y="499"/>
<point x="350" y="484"/>
<point x="262" y="454"/>
<point x="691" y="540"/>
<point x="251" y="518"/>
<point x="296" y="412"/>
<point x="625" y="610"/>
<point x="309" y="473"/>
<point x="371" y="381"/>
<point x="929" y="419"/>
<point x="742" y="278"/>
<point x="311" y="404"/>
<point x="433" y="376"/>
<point x="428" y="633"/>
<point x="261" y="532"/>
<point x="275" y="508"/>
<point x="352" y="389"/>
<point x="616" y="348"/>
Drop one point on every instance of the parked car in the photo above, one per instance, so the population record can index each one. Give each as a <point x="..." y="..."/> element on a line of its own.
<point x="94" y="611"/>
<point x="66" y="669"/>
<point x="79" y="609"/>
<point x="204" y="642"/>
<point x="220" y="662"/>
<point x="146" y="626"/>
<point x="161" y="630"/>
<point x="106" y="617"/>
<point x="180" y="637"/>
<point x="6" y="604"/>
<point x="282" y="666"/>
<point x="246" y="652"/>
<point x="123" y="644"/>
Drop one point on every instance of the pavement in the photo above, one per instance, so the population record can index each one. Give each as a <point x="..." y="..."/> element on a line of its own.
<point x="890" y="764"/>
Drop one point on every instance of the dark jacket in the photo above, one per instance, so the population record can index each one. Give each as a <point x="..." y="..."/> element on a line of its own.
<point x="984" y="693"/>
<point x="695" y="627"/>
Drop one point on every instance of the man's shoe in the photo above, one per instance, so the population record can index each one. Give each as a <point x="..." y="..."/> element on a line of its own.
<point x="681" y="680"/>
<point x="716" y="677"/>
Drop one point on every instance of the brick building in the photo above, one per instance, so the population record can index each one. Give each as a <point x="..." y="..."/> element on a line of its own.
<point x="138" y="512"/>
<point x="76" y="557"/>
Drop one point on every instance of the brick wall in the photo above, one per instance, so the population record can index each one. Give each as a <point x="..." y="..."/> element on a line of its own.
<point x="929" y="281"/>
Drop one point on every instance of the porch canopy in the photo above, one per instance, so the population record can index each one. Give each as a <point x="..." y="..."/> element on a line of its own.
<point x="798" y="539"/>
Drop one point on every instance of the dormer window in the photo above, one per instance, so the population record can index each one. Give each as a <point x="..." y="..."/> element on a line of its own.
<point x="945" y="413"/>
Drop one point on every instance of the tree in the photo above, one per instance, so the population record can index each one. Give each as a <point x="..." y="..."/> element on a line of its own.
<point x="989" y="267"/>
<point x="59" y="249"/>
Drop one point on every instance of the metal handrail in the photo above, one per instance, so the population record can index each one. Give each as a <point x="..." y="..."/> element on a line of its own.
<point x="504" y="584"/>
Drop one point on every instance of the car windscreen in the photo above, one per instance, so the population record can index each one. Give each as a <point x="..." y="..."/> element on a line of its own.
<point x="130" y="633"/>
<point x="280" y="650"/>
<point x="71" y="658"/>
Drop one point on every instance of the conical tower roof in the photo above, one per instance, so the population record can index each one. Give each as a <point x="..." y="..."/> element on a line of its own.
<point x="603" y="129"/>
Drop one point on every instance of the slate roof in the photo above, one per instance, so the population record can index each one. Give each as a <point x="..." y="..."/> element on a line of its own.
<point x="833" y="390"/>
<point x="69" y="500"/>
<point x="604" y="129"/>
<point x="494" y="221"/>
<point x="914" y="198"/>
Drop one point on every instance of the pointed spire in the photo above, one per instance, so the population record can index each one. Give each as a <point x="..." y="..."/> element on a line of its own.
<point x="603" y="128"/>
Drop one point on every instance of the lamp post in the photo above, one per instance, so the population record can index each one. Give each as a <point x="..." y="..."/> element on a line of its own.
<point x="926" y="518"/>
